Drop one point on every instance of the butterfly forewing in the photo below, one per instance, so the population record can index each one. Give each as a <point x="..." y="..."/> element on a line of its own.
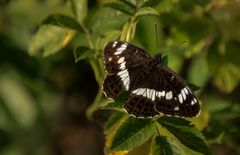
<point x="119" y="56"/>
<point x="155" y="89"/>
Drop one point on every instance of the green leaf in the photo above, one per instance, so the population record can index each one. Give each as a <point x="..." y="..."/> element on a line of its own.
<point x="189" y="137"/>
<point x="50" y="39"/>
<point x="198" y="72"/>
<point x="193" y="86"/>
<point x="106" y="37"/>
<point x="227" y="77"/>
<point x="63" y="21"/>
<point x="118" y="101"/>
<point x="131" y="3"/>
<point x="132" y="133"/>
<point x="120" y="6"/>
<point x="222" y="109"/>
<point x="163" y="145"/>
<point x="107" y="19"/>
<point x="225" y="70"/>
<point x="232" y="52"/>
<point x="82" y="52"/>
<point x="146" y="11"/>
<point x="14" y="96"/>
<point x="80" y="9"/>
<point x="214" y="131"/>
<point x="174" y="121"/>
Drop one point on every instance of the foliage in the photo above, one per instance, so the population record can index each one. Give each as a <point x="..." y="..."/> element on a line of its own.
<point x="209" y="59"/>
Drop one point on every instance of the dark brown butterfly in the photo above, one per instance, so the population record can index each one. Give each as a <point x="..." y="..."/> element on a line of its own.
<point x="154" y="88"/>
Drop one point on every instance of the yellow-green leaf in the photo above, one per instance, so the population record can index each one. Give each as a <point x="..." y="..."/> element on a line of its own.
<point x="50" y="39"/>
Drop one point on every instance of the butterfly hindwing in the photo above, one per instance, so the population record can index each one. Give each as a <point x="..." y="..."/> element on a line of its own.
<point x="179" y="99"/>
<point x="113" y="86"/>
<point x="140" y="106"/>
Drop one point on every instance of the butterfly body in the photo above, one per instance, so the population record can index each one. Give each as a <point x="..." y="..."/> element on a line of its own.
<point x="154" y="88"/>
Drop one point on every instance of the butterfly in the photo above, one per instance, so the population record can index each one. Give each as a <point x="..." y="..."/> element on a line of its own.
<point x="154" y="88"/>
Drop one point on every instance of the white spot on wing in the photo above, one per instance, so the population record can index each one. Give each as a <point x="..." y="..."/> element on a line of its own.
<point x="124" y="72"/>
<point x="110" y="59"/>
<point x="121" y="49"/>
<point x="152" y="94"/>
<point x="145" y="93"/>
<point x="114" y="43"/>
<point x="183" y="94"/>
<point x="141" y="92"/>
<point x="188" y="90"/>
<point x="180" y="98"/>
<point x="162" y="93"/>
<point x="120" y="60"/>
<point x="122" y="66"/>
<point x="126" y="83"/>
<point x="148" y="93"/>
<point x="185" y="90"/>
<point x="192" y="103"/>
<point x="124" y="75"/>
<point x="194" y="100"/>
<point x="135" y="91"/>
<point x="169" y="95"/>
<point x="176" y="108"/>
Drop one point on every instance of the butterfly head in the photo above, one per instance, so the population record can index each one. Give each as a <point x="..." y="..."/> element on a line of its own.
<point x="155" y="61"/>
<point x="158" y="57"/>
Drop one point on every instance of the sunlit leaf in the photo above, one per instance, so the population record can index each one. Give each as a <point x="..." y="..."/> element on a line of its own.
<point x="107" y="19"/>
<point x="120" y="6"/>
<point x="132" y="133"/>
<point x="107" y="37"/>
<point x="201" y="121"/>
<point x="198" y="73"/>
<point x="15" y="96"/>
<point x="113" y="120"/>
<point x="225" y="70"/>
<point x="50" y="39"/>
<point x="189" y="137"/>
<point x="131" y="3"/>
<point x="110" y="137"/>
<point x="146" y="11"/>
<point x="174" y="121"/>
<point x="63" y="21"/>
<point x="80" y="9"/>
<point x="227" y="77"/>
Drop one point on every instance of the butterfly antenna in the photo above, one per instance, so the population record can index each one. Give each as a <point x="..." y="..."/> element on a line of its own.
<point x="179" y="44"/>
<point x="157" y="42"/>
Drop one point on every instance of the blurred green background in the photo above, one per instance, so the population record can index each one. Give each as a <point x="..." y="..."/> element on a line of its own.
<point x="44" y="98"/>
